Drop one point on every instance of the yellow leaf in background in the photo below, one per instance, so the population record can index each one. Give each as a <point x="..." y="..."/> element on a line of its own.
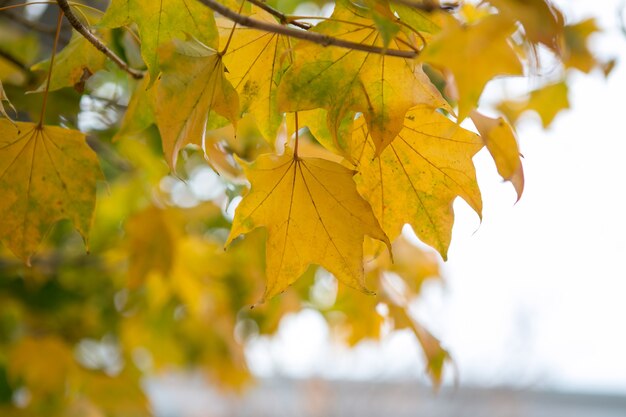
<point x="499" y="137"/>
<point x="474" y="54"/>
<point x="44" y="364"/>
<point x="577" y="54"/>
<point x="543" y="23"/>
<point x="191" y="87"/>
<point x="114" y="395"/>
<point x="411" y="263"/>
<point x="342" y="81"/>
<point x="417" y="177"/>
<point x="354" y="318"/>
<point x="436" y="355"/>
<point x="159" y="22"/>
<point x="313" y="215"/>
<point x="73" y="66"/>
<point x="547" y="101"/>
<point x="46" y="174"/>
<point x="151" y="245"/>
<point x="255" y="63"/>
<point x="3" y="97"/>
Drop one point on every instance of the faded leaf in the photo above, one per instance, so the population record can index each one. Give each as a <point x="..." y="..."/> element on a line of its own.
<point x="151" y="244"/>
<point x="40" y="185"/>
<point x="44" y="364"/>
<point x="547" y="101"/>
<point x="577" y="54"/>
<point x="313" y="214"/>
<point x="543" y="23"/>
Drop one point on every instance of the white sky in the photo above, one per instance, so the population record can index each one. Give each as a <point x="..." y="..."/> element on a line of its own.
<point x="536" y="294"/>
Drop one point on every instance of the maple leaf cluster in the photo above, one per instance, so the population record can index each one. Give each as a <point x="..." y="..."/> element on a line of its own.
<point x="331" y="133"/>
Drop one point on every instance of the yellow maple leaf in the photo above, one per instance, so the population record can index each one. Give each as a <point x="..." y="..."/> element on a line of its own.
<point x="474" y="54"/>
<point x="313" y="214"/>
<point x="40" y="185"/>
<point x="418" y="176"/>
<point x="191" y="87"/>
<point x="382" y="87"/>
<point x="500" y="140"/>
<point x="255" y="63"/>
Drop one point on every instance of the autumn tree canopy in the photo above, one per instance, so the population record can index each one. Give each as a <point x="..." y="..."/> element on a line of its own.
<point x="166" y="165"/>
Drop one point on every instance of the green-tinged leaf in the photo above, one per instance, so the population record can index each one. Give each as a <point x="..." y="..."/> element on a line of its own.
<point x="140" y="112"/>
<point x="159" y="22"/>
<point x="73" y="66"/>
<point x="340" y="80"/>
<point x="46" y="174"/>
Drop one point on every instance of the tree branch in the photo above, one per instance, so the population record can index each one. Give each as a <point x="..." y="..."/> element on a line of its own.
<point x="427" y="5"/>
<point x="281" y="17"/>
<point x="314" y="37"/>
<point x="82" y="29"/>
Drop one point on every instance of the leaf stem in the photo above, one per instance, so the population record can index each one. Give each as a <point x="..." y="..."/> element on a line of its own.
<point x="313" y="37"/>
<point x="54" y="52"/>
<point x="295" y="148"/>
<point x="82" y="29"/>
<point x="232" y="32"/>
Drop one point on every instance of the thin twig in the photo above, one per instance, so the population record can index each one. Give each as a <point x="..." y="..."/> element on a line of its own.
<point x="281" y="17"/>
<point x="427" y="5"/>
<point x="82" y="29"/>
<point x="313" y="37"/>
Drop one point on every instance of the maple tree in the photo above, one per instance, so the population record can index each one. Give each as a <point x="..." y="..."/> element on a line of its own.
<point x="142" y="124"/>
